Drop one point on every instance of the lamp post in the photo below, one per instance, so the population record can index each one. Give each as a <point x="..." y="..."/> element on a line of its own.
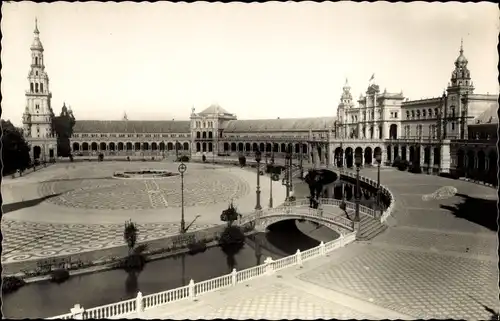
<point x="358" y="161"/>
<point x="286" y="179"/>
<point x="257" y="192"/>
<point x="182" y="168"/>
<point x="271" y="177"/>
<point x="378" y="158"/>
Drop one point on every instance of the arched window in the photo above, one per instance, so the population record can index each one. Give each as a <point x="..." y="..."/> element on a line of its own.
<point x="408" y="114"/>
<point x="423" y="113"/>
<point x="436" y="112"/>
<point x="41" y="88"/>
<point x="412" y="114"/>
<point x="36" y="61"/>
<point x="418" y="113"/>
<point x="31" y="87"/>
<point x="430" y="113"/>
<point x="36" y="87"/>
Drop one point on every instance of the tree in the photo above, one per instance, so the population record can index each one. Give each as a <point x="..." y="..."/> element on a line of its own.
<point x="130" y="235"/>
<point x="15" y="149"/>
<point x="242" y="160"/>
<point x="63" y="127"/>
<point x="230" y="215"/>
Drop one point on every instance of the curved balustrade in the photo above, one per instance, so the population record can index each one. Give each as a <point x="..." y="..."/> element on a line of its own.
<point x="135" y="307"/>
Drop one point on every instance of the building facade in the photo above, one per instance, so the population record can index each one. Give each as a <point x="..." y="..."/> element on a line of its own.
<point x="451" y="133"/>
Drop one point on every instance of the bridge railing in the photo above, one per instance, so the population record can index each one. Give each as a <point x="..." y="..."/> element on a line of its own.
<point x="136" y="307"/>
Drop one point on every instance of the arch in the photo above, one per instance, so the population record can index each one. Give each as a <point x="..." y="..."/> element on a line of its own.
<point x="120" y="146"/>
<point x="170" y="146"/>
<point x="460" y="159"/>
<point x="198" y="147"/>
<point x="403" y="153"/>
<point x="492" y="168"/>
<point x="262" y="147"/>
<point x="85" y="146"/>
<point x="36" y="60"/>
<point x="76" y="146"/>
<point x="145" y="146"/>
<point x="437" y="156"/>
<point x="154" y="146"/>
<point x="226" y="147"/>
<point x="276" y="148"/>
<point x="296" y="148"/>
<point x="210" y="147"/>
<point x="240" y="147"/>
<point x="396" y="151"/>
<point x="112" y="146"/>
<point x="233" y="147"/>
<point x="349" y="157"/>
<point x="393" y="131"/>
<point x="204" y="147"/>
<point x="423" y="113"/>
<point x="412" y="114"/>
<point x="283" y="148"/>
<point x="427" y="155"/>
<point x="339" y="156"/>
<point x="412" y="153"/>
<point x="408" y="114"/>
<point x="210" y="135"/>
<point x="255" y="147"/>
<point x="137" y="146"/>
<point x="198" y="134"/>
<point x="481" y="161"/>
<point x="37" y="152"/>
<point x="377" y="151"/>
<point x="248" y="147"/>
<point x="102" y="146"/>
<point x="204" y="135"/>
<point x="304" y="148"/>
<point x="470" y="160"/>
<point x="185" y="146"/>
<point x="389" y="153"/>
<point x="129" y="146"/>
<point x="368" y="155"/>
<point x="93" y="146"/>
<point x="162" y="146"/>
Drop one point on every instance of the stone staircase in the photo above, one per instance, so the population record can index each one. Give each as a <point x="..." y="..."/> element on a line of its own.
<point x="369" y="228"/>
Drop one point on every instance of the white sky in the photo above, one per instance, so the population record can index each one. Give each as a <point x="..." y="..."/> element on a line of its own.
<point x="155" y="61"/>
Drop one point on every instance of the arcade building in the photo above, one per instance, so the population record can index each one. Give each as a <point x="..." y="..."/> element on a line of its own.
<point x="452" y="133"/>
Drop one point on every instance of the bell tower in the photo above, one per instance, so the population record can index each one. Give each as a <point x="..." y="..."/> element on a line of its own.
<point x="459" y="89"/>
<point x="38" y="114"/>
<point x="345" y="104"/>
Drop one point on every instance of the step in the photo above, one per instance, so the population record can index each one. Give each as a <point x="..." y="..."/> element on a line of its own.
<point x="372" y="234"/>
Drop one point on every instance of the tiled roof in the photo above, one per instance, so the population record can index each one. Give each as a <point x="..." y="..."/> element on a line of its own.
<point x="291" y="124"/>
<point x="214" y="109"/>
<point x="489" y="116"/>
<point x="132" y="126"/>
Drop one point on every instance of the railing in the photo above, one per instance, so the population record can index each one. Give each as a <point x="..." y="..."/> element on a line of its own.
<point x="141" y="303"/>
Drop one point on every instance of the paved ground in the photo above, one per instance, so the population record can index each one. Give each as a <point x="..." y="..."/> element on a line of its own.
<point x="437" y="260"/>
<point x="72" y="208"/>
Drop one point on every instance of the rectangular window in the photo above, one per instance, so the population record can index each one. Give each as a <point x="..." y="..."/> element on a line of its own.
<point x="396" y="115"/>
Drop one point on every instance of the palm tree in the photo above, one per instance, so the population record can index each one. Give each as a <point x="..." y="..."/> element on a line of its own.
<point x="232" y="238"/>
<point x="130" y="235"/>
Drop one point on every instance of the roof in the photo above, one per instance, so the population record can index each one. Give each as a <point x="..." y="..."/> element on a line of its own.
<point x="132" y="126"/>
<point x="214" y="109"/>
<point x="290" y="124"/>
<point x="489" y="116"/>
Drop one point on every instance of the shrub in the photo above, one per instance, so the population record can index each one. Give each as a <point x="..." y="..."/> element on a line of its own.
<point x="197" y="247"/>
<point x="130" y="234"/>
<point x="100" y="157"/>
<point x="416" y="169"/>
<point x="183" y="158"/>
<point x="11" y="284"/>
<point x="204" y="159"/>
<point x="403" y="165"/>
<point x="59" y="275"/>
<point x="133" y="262"/>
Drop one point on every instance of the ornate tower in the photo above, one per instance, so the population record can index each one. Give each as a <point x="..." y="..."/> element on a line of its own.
<point x="456" y="105"/>
<point x="38" y="115"/>
<point x="345" y="104"/>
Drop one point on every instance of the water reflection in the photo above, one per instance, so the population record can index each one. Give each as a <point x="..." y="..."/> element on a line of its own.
<point x="45" y="299"/>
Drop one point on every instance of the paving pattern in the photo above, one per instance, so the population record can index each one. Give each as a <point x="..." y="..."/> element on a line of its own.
<point x="29" y="240"/>
<point x="104" y="192"/>
<point x="272" y="302"/>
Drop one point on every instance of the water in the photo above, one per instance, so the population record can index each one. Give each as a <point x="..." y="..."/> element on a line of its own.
<point x="46" y="299"/>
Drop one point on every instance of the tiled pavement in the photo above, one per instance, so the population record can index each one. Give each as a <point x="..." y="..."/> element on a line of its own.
<point x="428" y="264"/>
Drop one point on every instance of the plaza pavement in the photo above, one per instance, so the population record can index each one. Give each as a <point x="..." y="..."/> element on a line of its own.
<point x="433" y="262"/>
<point x="70" y="208"/>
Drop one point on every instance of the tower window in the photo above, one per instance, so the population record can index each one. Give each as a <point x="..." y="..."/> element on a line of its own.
<point x="453" y="126"/>
<point x="41" y="88"/>
<point x="36" y="73"/>
<point x="36" y="87"/>
<point x="31" y="87"/>
<point x="36" y="61"/>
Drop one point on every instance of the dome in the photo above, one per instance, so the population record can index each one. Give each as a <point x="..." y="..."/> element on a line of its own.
<point x="36" y="44"/>
<point x="461" y="60"/>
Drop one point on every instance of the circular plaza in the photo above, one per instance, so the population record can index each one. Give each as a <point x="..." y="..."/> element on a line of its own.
<point x="70" y="208"/>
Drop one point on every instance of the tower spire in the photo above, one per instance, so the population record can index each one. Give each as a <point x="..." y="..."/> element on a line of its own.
<point x="36" y="26"/>
<point x="461" y="45"/>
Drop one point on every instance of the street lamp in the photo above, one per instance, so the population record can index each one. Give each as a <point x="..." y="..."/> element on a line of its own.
<point x="358" y="159"/>
<point x="378" y="158"/>
<point x="182" y="168"/>
<point x="257" y="192"/>
<point x="286" y="180"/>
